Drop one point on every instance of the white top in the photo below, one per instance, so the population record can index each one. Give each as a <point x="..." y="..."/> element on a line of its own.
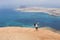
<point x="36" y="25"/>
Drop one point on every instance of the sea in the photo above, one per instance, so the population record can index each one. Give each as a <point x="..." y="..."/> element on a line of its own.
<point x="10" y="17"/>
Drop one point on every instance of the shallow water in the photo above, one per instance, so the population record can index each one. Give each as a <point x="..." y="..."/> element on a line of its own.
<point x="9" y="17"/>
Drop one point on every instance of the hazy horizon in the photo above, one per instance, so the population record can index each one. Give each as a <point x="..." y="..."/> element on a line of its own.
<point x="39" y="3"/>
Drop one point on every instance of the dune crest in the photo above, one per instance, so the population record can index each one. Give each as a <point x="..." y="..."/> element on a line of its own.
<point x="18" y="33"/>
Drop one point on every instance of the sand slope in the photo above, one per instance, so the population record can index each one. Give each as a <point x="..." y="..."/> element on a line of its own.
<point x="17" y="33"/>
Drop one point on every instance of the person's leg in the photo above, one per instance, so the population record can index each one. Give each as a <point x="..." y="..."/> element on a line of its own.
<point x="36" y="28"/>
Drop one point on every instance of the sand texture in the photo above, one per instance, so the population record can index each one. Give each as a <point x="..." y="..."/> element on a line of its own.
<point x="17" y="33"/>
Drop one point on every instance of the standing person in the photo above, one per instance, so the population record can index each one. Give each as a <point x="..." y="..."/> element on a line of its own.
<point x="36" y="26"/>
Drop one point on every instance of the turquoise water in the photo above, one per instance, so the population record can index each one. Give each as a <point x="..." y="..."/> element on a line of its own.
<point x="9" y="17"/>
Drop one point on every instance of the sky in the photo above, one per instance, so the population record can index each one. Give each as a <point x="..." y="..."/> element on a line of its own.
<point x="18" y="3"/>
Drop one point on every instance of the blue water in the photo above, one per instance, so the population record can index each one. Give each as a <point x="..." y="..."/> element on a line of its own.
<point x="9" y="17"/>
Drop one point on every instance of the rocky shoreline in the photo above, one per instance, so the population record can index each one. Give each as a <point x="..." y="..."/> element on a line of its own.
<point x="50" y="11"/>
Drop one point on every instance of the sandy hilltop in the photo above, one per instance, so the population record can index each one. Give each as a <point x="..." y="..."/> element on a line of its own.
<point x="50" y="11"/>
<point x="18" y="33"/>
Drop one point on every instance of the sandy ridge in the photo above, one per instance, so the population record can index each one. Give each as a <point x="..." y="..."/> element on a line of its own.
<point x="17" y="33"/>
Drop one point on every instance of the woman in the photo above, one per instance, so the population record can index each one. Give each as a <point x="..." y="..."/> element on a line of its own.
<point x="36" y="26"/>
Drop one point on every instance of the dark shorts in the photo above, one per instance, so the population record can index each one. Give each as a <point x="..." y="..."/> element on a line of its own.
<point x="36" y="28"/>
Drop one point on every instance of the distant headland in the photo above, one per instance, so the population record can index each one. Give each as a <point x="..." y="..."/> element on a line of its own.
<point x="50" y="11"/>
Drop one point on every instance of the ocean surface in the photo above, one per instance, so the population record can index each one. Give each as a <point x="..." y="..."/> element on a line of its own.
<point x="9" y="17"/>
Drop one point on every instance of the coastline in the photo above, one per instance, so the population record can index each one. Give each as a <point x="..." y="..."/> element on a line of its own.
<point x="50" y="11"/>
<point x="19" y="33"/>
